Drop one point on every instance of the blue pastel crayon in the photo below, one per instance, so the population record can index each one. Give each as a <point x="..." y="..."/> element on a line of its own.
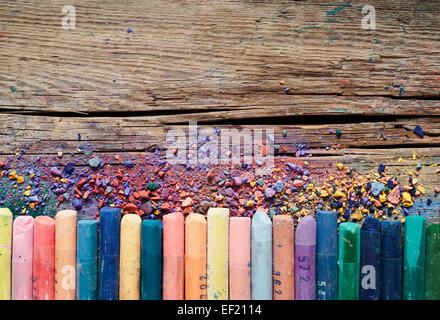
<point x="327" y="255"/>
<point x="369" y="288"/>
<point x="151" y="260"/>
<point x="261" y="244"/>
<point x="108" y="265"/>
<point x="87" y="260"/>
<point x="391" y="262"/>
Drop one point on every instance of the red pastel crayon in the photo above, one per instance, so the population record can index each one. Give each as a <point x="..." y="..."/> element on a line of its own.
<point x="43" y="273"/>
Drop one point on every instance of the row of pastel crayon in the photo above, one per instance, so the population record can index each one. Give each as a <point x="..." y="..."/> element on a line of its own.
<point x="216" y="258"/>
<point x="372" y="262"/>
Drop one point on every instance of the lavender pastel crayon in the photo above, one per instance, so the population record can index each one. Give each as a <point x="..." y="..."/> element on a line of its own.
<point x="391" y="260"/>
<point x="108" y="264"/>
<point x="370" y="260"/>
<point x="349" y="258"/>
<point x="305" y="259"/>
<point x="327" y="255"/>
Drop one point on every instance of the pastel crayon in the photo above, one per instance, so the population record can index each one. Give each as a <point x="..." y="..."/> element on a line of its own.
<point x="217" y="269"/>
<point x="305" y="259"/>
<point x="65" y="255"/>
<point x="240" y="258"/>
<point x="414" y="258"/>
<point x="391" y="260"/>
<point x="43" y="269"/>
<point x="5" y="253"/>
<point x="22" y="256"/>
<point x="261" y="248"/>
<point x="432" y="272"/>
<point x="173" y="256"/>
<point x="283" y="258"/>
<point x="151" y="260"/>
<point x="108" y="259"/>
<point x="349" y="259"/>
<point x="87" y="260"/>
<point x="130" y="262"/>
<point x="370" y="260"/>
<point x="195" y="257"/>
<point x="326" y="255"/>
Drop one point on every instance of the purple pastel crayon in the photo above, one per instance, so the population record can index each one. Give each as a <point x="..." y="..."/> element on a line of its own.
<point x="305" y="259"/>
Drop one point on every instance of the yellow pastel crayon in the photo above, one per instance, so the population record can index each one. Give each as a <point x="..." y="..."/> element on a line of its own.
<point x="5" y="253"/>
<point x="130" y="261"/>
<point x="218" y="231"/>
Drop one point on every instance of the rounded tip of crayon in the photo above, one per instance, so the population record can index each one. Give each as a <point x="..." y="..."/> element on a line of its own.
<point x="348" y="226"/>
<point x="371" y="224"/>
<point x="240" y="219"/>
<point x="87" y="221"/>
<point x="219" y="211"/>
<point x="45" y="220"/>
<point x="151" y="223"/>
<point x="306" y="231"/>
<point x="66" y="214"/>
<point x="283" y="218"/>
<point x="173" y="216"/>
<point x="131" y="218"/>
<point x="261" y="218"/>
<point x="325" y="213"/>
<point x="196" y="217"/>
<point x="414" y="217"/>
<point x="23" y="223"/>
<point x="110" y="210"/>
<point x="5" y="212"/>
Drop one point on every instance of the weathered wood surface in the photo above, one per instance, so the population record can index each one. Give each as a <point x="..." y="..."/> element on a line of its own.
<point x="221" y="63"/>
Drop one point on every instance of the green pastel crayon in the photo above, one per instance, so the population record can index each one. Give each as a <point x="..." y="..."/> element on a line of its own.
<point x="414" y="258"/>
<point x="432" y="272"/>
<point x="349" y="259"/>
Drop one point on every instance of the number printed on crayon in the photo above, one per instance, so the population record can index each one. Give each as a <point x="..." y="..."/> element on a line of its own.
<point x="277" y="282"/>
<point x="304" y="264"/>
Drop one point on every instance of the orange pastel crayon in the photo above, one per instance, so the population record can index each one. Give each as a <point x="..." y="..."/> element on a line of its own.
<point x="173" y="256"/>
<point x="283" y="258"/>
<point x="43" y="272"/>
<point x="195" y="257"/>
<point x="240" y="258"/>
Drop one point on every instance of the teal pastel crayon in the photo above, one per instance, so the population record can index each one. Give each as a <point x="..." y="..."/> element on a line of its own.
<point x="432" y="273"/>
<point x="108" y="261"/>
<point x="261" y="248"/>
<point x="391" y="260"/>
<point x="87" y="260"/>
<point x="414" y="247"/>
<point x="370" y="260"/>
<point x="349" y="259"/>
<point x="327" y="255"/>
<point x="151" y="260"/>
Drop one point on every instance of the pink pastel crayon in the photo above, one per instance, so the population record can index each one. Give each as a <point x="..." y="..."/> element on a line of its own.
<point x="22" y="255"/>
<point x="305" y="259"/>
<point x="240" y="258"/>
<point x="173" y="256"/>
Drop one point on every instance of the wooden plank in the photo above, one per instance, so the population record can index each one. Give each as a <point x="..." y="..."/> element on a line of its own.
<point x="48" y="135"/>
<point x="228" y="56"/>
